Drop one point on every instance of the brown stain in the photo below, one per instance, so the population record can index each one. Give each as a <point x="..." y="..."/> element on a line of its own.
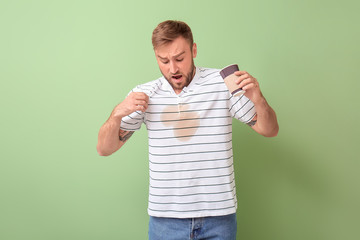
<point x="176" y="117"/>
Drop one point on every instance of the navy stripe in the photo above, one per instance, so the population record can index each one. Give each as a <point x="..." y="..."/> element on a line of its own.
<point x="162" y="97"/>
<point x="185" y="179"/>
<point x="152" y="121"/>
<point x="185" y="203"/>
<point x="210" y="84"/>
<point x="251" y="117"/>
<point x="191" y="144"/>
<point x="134" y="118"/>
<point x="197" y="210"/>
<point x="196" y="110"/>
<point x="165" y="91"/>
<point x="191" y="194"/>
<point x="193" y="186"/>
<point x="196" y="161"/>
<point x="129" y="123"/>
<point x="222" y="91"/>
<point x="197" y="135"/>
<point x="191" y="170"/>
<point x="168" y="129"/>
<point x="186" y="153"/>
<point x="247" y="111"/>
<point x="186" y="103"/>
<point x="201" y="69"/>
<point x="129" y="129"/>
<point x="242" y="108"/>
<point x="236" y="102"/>
<point x="209" y="74"/>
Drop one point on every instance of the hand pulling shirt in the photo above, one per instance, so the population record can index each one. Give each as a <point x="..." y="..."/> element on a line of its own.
<point x="190" y="145"/>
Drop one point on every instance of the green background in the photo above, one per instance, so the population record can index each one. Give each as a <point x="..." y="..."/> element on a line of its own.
<point x="64" y="65"/>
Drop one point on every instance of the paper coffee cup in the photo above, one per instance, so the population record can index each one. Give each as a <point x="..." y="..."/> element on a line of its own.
<point x="227" y="73"/>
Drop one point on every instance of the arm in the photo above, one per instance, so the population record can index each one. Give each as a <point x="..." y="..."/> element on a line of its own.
<point x="265" y="121"/>
<point x="111" y="138"/>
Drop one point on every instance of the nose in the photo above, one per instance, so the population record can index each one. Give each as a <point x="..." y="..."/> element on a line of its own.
<point x="173" y="67"/>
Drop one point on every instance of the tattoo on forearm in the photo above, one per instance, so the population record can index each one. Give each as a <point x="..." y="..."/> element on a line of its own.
<point x="252" y="123"/>
<point x="124" y="136"/>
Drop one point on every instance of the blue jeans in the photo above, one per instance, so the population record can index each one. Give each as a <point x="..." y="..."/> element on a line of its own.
<point x="214" y="228"/>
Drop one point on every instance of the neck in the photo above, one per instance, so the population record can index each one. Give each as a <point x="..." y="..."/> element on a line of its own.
<point x="193" y="74"/>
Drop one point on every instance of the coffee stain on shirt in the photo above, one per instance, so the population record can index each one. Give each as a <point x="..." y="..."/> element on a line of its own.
<point x="184" y="123"/>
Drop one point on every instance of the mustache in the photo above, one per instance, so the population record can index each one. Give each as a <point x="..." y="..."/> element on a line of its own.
<point x="177" y="75"/>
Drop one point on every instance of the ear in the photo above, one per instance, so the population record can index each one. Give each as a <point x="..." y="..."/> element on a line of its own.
<point x="194" y="50"/>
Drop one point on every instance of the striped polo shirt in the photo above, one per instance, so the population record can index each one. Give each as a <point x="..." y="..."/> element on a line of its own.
<point x="190" y="145"/>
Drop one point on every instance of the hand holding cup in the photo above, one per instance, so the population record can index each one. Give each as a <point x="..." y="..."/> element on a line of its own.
<point x="230" y="79"/>
<point x="250" y="85"/>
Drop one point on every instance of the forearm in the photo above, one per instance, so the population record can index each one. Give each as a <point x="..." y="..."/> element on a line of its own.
<point x="111" y="138"/>
<point x="108" y="138"/>
<point x="266" y="121"/>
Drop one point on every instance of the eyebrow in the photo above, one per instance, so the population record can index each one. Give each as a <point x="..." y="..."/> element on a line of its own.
<point x="176" y="56"/>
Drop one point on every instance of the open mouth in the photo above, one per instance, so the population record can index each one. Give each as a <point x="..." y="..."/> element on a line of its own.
<point x="176" y="77"/>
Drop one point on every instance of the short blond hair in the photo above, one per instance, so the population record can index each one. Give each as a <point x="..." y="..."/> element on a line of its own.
<point x="169" y="30"/>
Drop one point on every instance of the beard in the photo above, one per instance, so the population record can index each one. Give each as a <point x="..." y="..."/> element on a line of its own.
<point x="187" y="78"/>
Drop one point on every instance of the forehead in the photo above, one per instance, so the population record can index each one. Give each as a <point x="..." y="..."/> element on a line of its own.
<point x="173" y="48"/>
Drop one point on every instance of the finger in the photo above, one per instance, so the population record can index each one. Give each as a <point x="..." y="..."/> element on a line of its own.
<point x="249" y="81"/>
<point x="137" y="95"/>
<point x="141" y="102"/>
<point x="244" y="80"/>
<point x="245" y="77"/>
<point x="141" y="95"/>
<point x="239" y="73"/>
<point x="141" y="108"/>
<point x="249" y="86"/>
<point x="252" y="85"/>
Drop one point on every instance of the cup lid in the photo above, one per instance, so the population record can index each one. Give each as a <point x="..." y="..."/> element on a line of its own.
<point x="226" y="71"/>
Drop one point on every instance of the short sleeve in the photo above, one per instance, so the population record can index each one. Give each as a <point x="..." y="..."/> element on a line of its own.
<point x="133" y="121"/>
<point x="242" y="108"/>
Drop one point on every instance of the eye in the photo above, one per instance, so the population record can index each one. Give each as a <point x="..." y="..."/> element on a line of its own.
<point x="179" y="60"/>
<point x="165" y="62"/>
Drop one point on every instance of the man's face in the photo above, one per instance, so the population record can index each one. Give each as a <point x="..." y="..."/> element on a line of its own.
<point x="176" y="62"/>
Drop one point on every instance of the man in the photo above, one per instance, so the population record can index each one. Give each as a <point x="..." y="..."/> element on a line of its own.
<point x="188" y="114"/>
